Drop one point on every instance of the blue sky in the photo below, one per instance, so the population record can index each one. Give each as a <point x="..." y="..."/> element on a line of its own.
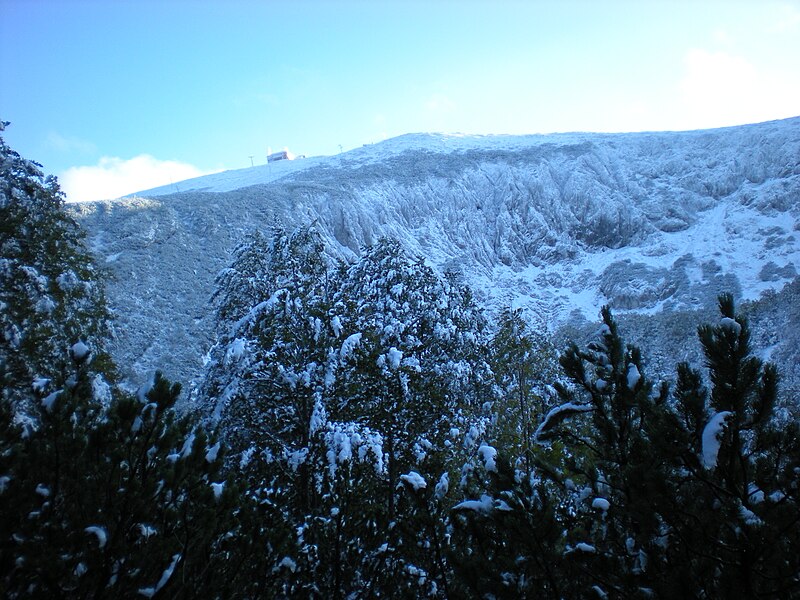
<point x="115" y="97"/>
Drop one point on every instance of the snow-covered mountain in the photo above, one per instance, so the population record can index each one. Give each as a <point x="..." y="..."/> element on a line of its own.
<point x="654" y="224"/>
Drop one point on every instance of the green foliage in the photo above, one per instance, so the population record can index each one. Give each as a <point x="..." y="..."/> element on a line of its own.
<point x="333" y="383"/>
<point x="50" y="294"/>
<point x="267" y="375"/>
<point x="262" y="265"/>
<point x="417" y="339"/>
<point x="657" y="494"/>
<point x="269" y="364"/>
<point x="524" y="364"/>
<point x="103" y="499"/>
<point x="488" y="559"/>
<point x="103" y="493"/>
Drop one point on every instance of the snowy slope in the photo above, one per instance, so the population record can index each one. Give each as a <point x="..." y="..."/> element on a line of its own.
<point x="651" y="223"/>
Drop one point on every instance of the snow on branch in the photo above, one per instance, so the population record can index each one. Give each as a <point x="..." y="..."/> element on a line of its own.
<point x="557" y="414"/>
<point x="580" y="547"/>
<point x="100" y="533"/>
<point x="49" y="401"/>
<point x="733" y="325"/>
<point x="485" y="505"/>
<point x="80" y="351"/>
<point x="212" y="453"/>
<point x="633" y="376"/>
<point x="217" y="488"/>
<point x="711" y="441"/>
<point x="489" y="457"/>
<point x="415" y="480"/>
<point x="350" y="345"/>
<point x="152" y="591"/>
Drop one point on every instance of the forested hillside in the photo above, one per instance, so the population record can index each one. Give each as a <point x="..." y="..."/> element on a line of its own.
<point x="367" y="429"/>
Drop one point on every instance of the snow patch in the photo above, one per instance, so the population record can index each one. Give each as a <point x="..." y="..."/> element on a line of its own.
<point x="336" y="325"/>
<point x="79" y="351"/>
<point x="557" y="413"/>
<point x="711" y="441"/>
<point x="296" y="458"/>
<point x="136" y="426"/>
<point x="186" y="451"/>
<point x="319" y="418"/>
<point x="485" y="505"/>
<point x="217" y="488"/>
<point x="100" y="533"/>
<point x="488" y="456"/>
<point x="288" y="563"/>
<point x="633" y="376"/>
<point x="235" y="351"/>
<point x="49" y="401"/>
<point x="601" y="504"/>
<point x="442" y="487"/>
<point x="582" y="547"/>
<point x="349" y="345"/>
<point x="211" y="455"/>
<point x="143" y="390"/>
<point x="749" y="517"/>
<point x="728" y="323"/>
<point x="101" y="391"/>
<point x="68" y="281"/>
<point x="394" y="356"/>
<point x="40" y="384"/>
<point x="146" y="531"/>
<point x="601" y="593"/>
<point x="246" y="457"/>
<point x="152" y="591"/>
<point x="415" y="480"/>
<point x="472" y="437"/>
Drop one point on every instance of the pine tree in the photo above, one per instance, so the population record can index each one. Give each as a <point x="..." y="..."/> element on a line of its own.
<point x="249" y="279"/>
<point x="330" y="397"/>
<point x="122" y="497"/>
<point x="268" y="372"/>
<point x="104" y="493"/>
<point x="738" y="513"/>
<point x="267" y="383"/>
<point x="524" y="364"/>
<point x="51" y="295"/>
<point x="619" y="476"/>
<point x="689" y="494"/>
<point x="411" y="364"/>
<point x="413" y="339"/>
<point x="508" y="539"/>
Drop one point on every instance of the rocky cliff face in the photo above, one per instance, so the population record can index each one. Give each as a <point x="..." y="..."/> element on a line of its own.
<point x="654" y="224"/>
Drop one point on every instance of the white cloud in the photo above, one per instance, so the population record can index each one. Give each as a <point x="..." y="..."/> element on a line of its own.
<point x="113" y="177"/>
<point x="720" y="89"/>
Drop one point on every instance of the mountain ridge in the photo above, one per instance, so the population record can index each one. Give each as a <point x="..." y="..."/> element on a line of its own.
<point x="433" y="142"/>
<point x="650" y="223"/>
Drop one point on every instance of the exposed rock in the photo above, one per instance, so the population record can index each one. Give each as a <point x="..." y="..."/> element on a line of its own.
<point x="656" y="222"/>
